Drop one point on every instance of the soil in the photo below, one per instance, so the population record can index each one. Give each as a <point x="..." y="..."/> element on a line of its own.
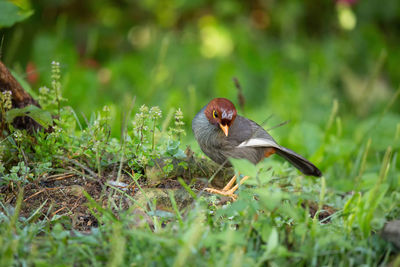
<point x="62" y="194"/>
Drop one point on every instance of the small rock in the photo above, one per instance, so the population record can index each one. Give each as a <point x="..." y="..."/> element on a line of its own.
<point x="391" y="232"/>
<point x="120" y="185"/>
<point x="75" y="190"/>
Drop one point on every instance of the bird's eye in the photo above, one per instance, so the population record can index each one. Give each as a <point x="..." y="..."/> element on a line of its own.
<point x="215" y="114"/>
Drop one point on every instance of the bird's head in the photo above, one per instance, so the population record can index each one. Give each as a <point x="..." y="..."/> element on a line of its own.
<point x="222" y="113"/>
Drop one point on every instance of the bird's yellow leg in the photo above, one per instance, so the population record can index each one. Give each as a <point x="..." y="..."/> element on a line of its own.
<point x="237" y="185"/>
<point x="229" y="184"/>
<point x="228" y="190"/>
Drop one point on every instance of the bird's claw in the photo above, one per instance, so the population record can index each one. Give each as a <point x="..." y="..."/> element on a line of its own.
<point x="228" y="193"/>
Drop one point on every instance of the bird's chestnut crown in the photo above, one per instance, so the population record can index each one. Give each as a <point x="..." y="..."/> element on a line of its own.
<point x="221" y="112"/>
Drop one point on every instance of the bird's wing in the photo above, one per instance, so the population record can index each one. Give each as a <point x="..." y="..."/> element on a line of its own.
<point x="259" y="142"/>
<point x="247" y="133"/>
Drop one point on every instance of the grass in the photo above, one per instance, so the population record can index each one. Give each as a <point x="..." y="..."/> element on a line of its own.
<point x="280" y="218"/>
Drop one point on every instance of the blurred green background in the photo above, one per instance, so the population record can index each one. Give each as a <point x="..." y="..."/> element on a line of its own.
<point x="293" y="59"/>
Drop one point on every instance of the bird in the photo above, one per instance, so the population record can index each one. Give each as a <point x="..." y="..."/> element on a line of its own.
<point x="223" y="134"/>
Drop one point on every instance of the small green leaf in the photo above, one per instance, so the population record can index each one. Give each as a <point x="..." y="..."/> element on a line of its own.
<point x="244" y="167"/>
<point x="40" y="116"/>
<point x="273" y="240"/>
<point x="11" y="14"/>
<point x="271" y="198"/>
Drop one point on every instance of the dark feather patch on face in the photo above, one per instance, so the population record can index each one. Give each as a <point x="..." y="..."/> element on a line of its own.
<point x="220" y="111"/>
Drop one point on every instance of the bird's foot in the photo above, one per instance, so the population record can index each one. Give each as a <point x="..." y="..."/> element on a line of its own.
<point x="228" y="193"/>
<point x="228" y="190"/>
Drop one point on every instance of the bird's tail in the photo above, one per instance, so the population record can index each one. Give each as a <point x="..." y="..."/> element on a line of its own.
<point x="299" y="162"/>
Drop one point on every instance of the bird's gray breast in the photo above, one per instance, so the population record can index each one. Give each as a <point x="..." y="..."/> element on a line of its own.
<point x="209" y="137"/>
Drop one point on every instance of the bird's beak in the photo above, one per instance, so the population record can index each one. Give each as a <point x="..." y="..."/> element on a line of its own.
<point x="224" y="128"/>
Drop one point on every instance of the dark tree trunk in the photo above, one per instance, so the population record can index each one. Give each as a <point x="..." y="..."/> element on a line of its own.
<point x="20" y="98"/>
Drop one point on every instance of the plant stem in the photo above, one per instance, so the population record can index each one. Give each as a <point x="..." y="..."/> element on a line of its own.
<point x="153" y="141"/>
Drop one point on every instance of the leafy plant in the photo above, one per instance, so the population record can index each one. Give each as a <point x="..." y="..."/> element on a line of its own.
<point x="10" y="13"/>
